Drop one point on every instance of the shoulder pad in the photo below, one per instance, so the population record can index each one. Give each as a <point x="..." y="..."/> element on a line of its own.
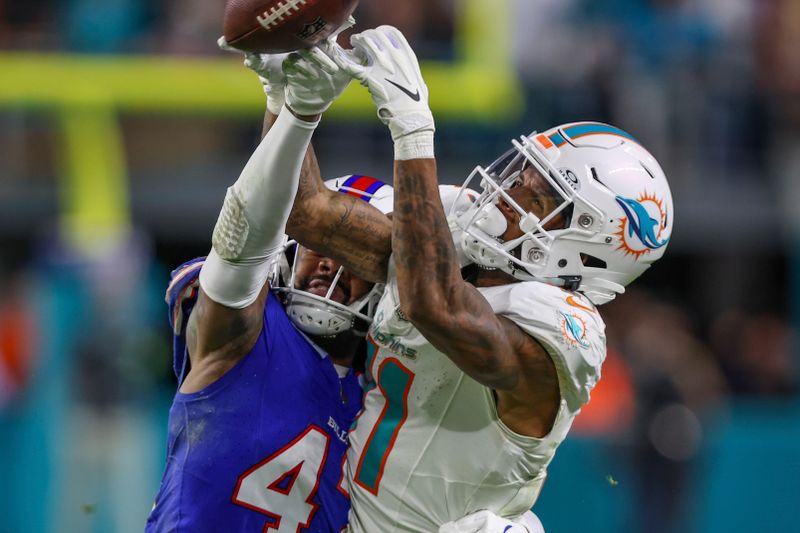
<point x="566" y="323"/>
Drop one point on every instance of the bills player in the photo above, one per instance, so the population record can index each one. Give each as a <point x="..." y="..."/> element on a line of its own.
<point x="488" y="339"/>
<point x="258" y="428"/>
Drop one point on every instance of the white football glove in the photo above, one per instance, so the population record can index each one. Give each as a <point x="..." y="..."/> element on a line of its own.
<point x="313" y="80"/>
<point x="316" y="80"/>
<point x="383" y="61"/>
<point x="488" y="522"/>
<point x="269" y="68"/>
<point x="270" y="73"/>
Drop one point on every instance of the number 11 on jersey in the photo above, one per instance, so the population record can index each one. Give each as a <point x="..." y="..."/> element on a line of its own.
<point x="393" y="383"/>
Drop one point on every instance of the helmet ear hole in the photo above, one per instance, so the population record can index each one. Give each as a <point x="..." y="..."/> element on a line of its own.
<point x="592" y="261"/>
<point x="646" y="169"/>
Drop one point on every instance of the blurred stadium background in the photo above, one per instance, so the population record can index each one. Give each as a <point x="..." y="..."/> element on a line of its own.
<point x="121" y="125"/>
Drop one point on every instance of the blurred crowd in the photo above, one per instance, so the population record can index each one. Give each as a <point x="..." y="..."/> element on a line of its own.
<point x="182" y="26"/>
<point x="712" y="87"/>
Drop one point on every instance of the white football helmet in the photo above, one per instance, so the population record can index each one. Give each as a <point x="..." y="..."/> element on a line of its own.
<point x="321" y="316"/>
<point x="612" y="193"/>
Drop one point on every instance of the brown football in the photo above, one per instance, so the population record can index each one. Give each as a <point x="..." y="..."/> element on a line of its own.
<point x="272" y="26"/>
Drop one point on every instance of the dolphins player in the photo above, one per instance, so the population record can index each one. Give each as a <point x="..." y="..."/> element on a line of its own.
<point x="488" y="339"/>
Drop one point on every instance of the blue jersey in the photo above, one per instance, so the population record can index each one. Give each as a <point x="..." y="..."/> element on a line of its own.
<point x="262" y="448"/>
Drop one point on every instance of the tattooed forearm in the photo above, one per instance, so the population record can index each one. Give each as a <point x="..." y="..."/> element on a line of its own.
<point x="451" y="314"/>
<point x="310" y="178"/>
<point x="423" y="248"/>
<point x="342" y="227"/>
<point x="346" y="229"/>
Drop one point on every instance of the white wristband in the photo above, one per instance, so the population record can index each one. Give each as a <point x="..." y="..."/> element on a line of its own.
<point x="417" y="145"/>
<point x="276" y="95"/>
<point x="275" y="103"/>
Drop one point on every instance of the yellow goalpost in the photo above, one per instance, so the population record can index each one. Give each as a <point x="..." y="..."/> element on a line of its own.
<point x="86" y="93"/>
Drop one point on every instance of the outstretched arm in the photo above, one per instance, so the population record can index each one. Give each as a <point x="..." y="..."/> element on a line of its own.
<point x="451" y="313"/>
<point x="228" y="317"/>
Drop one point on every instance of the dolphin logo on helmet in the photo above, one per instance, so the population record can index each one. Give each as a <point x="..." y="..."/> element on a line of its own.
<point x="641" y="224"/>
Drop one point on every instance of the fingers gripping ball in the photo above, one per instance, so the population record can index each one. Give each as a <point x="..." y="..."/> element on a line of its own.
<point x="313" y="81"/>
<point x="273" y="26"/>
<point x="384" y="62"/>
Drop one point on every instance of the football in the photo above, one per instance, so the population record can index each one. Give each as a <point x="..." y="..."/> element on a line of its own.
<point x="273" y="26"/>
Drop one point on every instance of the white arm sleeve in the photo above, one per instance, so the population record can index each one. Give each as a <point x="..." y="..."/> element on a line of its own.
<point x="252" y="223"/>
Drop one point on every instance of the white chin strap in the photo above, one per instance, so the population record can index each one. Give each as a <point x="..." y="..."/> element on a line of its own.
<point x="315" y="318"/>
<point x="479" y="252"/>
<point x="601" y="291"/>
<point x="321" y="316"/>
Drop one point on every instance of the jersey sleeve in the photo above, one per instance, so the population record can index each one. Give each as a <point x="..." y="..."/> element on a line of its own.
<point x="181" y="297"/>
<point x="565" y="323"/>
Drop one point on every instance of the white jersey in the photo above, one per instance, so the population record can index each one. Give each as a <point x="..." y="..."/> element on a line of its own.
<point x="429" y="447"/>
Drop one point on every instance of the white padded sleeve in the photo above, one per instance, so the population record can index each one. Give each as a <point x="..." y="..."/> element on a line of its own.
<point x="252" y="223"/>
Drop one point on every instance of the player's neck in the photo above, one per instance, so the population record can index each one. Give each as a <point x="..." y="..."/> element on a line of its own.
<point x="341" y="348"/>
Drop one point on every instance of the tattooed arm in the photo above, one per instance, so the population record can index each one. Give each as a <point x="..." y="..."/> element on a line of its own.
<point x="229" y="314"/>
<point x="455" y="317"/>
<point x="449" y="312"/>
<point x="340" y="226"/>
<point x="452" y="314"/>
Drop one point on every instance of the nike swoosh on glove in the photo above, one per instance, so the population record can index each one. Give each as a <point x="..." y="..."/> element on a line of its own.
<point x="384" y="62"/>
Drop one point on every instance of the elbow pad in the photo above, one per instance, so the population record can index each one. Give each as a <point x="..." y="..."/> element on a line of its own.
<point x="252" y="223"/>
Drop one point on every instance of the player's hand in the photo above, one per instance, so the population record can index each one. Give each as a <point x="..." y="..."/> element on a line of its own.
<point x="488" y="522"/>
<point x="383" y="61"/>
<point x="313" y="80"/>
<point x="269" y="69"/>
